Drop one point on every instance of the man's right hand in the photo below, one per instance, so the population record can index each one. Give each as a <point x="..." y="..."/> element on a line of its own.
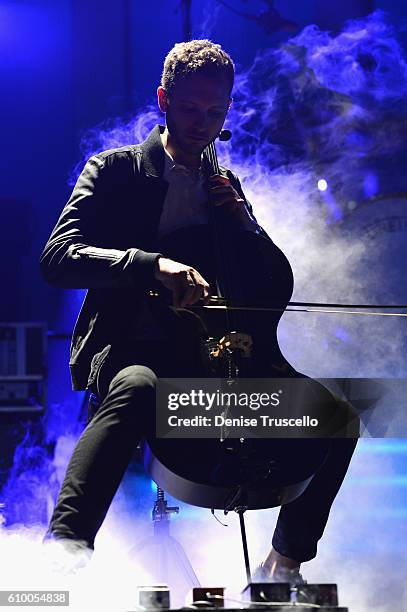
<point x="186" y="284"/>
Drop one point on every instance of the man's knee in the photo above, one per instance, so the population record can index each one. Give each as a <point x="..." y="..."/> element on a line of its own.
<point x="134" y="382"/>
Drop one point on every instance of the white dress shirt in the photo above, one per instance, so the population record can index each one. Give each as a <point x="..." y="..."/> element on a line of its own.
<point x="186" y="202"/>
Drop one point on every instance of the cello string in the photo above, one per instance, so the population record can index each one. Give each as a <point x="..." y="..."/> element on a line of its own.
<point x="225" y="261"/>
<point x="220" y="259"/>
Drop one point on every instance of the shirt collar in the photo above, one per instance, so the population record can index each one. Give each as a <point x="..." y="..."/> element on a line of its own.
<point x="172" y="166"/>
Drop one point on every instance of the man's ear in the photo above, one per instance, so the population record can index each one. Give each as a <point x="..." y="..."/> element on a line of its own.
<point x="162" y="99"/>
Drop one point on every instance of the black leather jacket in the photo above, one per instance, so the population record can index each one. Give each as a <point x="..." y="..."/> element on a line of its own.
<point x="116" y="203"/>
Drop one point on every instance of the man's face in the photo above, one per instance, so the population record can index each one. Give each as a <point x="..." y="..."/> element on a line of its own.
<point x="196" y="110"/>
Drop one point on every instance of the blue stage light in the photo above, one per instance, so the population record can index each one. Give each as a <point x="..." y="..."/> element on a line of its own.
<point x="370" y="185"/>
<point x="391" y="446"/>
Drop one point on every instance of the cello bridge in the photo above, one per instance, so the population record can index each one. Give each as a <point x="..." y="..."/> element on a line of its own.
<point x="230" y="344"/>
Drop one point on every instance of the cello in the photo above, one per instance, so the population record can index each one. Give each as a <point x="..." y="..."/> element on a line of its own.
<point x="234" y="342"/>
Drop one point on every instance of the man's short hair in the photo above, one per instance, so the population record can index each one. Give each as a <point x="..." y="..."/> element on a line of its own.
<point x="193" y="56"/>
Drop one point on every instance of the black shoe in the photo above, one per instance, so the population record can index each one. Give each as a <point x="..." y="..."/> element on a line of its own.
<point x="66" y="555"/>
<point x="282" y="574"/>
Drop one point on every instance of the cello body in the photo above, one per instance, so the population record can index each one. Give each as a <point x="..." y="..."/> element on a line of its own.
<point x="215" y="473"/>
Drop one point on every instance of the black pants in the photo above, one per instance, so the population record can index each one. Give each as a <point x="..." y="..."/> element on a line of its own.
<point x="107" y="444"/>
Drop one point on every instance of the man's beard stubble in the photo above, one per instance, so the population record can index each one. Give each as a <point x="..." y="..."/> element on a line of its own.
<point x="177" y="141"/>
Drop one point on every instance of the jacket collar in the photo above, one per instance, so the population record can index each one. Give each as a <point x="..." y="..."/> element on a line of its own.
<point x="153" y="153"/>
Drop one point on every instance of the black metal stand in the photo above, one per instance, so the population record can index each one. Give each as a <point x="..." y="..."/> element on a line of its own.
<point x="240" y="512"/>
<point x="162" y="554"/>
<point x="238" y="503"/>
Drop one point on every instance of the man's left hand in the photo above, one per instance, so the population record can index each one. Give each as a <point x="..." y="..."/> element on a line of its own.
<point x="224" y="194"/>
